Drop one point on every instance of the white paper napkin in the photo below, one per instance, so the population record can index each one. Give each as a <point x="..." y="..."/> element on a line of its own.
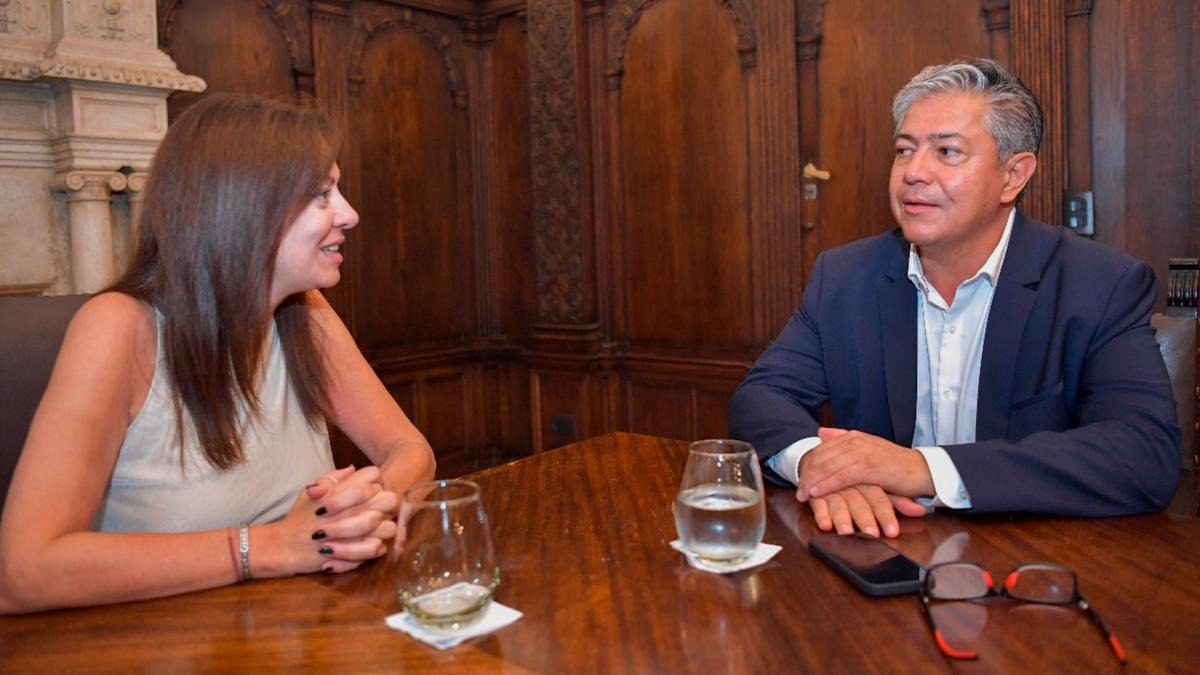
<point x="495" y="617"/>
<point x="762" y="554"/>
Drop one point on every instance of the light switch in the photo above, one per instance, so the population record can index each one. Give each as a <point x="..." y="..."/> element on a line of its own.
<point x="1078" y="211"/>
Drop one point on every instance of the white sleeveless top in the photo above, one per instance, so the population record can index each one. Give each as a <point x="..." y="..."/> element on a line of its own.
<point x="151" y="491"/>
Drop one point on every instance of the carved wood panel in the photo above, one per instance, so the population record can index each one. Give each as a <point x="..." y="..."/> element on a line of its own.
<point x="515" y="267"/>
<point x="564" y="291"/>
<point x="685" y="189"/>
<point x="236" y="46"/>
<point x="415" y="262"/>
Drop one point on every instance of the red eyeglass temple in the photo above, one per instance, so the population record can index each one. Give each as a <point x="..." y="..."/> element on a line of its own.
<point x="1116" y="647"/>
<point x="951" y="651"/>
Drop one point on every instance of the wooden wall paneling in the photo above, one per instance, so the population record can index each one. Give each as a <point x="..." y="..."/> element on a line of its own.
<point x="685" y="180"/>
<point x="1078" y="103"/>
<point x="662" y="405"/>
<point x="776" y="177"/>
<point x="565" y="280"/>
<point x="711" y="405"/>
<point x="236" y="46"/>
<point x="869" y="50"/>
<point x="1108" y="140"/>
<point x="1039" y="35"/>
<point x="614" y="224"/>
<point x="659" y="408"/>
<point x="566" y="318"/>
<point x="600" y="184"/>
<point x="1144" y="126"/>
<point x="513" y="256"/>
<point x="444" y="416"/>
<point x="809" y="15"/>
<point x="997" y="17"/>
<point x="480" y="36"/>
<point x="559" y="398"/>
<point x="1193" y="221"/>
<point x="417" y="266"/>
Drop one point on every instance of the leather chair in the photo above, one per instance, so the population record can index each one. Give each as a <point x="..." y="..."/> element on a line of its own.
<point x="1175" y="329"/>
<point x="31" y="332"/>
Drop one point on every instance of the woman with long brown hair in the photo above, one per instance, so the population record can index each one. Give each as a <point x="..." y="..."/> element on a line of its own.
<point x="181" y="443"/>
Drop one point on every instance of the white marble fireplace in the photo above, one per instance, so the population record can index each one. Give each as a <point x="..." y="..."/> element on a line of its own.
<point x="83" y="91"/>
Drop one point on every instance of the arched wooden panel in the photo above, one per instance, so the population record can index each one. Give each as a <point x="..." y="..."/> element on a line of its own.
<point x="514" y="200"/>
<point x="685" y="180"/>
<point x="235" y="45"/>
<point x="872" y="49"/>
<point x="415" y="256"/>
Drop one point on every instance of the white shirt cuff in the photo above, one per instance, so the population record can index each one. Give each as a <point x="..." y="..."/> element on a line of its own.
<point x="947" y="482"/>
<point x="786" y="462"/>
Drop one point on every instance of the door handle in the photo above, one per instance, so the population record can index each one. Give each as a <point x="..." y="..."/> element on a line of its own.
<point x="811" y="172"/>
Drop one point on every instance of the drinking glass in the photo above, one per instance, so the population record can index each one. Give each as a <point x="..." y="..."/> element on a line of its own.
<point x="719" y="511"/>
<point x="446" y="573"/>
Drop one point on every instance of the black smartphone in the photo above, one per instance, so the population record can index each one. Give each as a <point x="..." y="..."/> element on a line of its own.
<point x="869" y="563"/>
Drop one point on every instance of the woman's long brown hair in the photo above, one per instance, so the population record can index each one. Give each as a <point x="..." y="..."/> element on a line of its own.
<point x="232" y="173"/>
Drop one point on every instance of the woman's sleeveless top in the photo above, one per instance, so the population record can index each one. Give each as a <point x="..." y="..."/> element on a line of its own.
<point x="153" y="491"/>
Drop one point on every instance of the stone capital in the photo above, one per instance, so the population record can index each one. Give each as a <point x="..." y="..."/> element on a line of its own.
<point x="89" y="185"/>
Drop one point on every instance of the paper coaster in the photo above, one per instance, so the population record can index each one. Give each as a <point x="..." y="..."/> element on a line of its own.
<point x="495" y="617"/>
<point x="762" y="554"/>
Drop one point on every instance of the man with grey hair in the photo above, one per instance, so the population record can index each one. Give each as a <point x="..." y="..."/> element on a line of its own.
<point x="974" y="358"/>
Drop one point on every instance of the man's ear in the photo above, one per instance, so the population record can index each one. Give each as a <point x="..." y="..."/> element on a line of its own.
<point x="1017" y="171"/>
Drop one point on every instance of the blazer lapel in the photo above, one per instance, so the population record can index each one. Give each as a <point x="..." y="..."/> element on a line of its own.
<point x="898" y="333"/>
<point x="1016" y="290"/>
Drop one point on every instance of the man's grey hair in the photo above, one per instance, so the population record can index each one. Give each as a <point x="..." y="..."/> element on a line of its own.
<point x="1013" y="117"/>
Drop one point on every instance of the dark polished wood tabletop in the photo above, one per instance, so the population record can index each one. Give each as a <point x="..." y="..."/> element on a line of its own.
<point x="582" y="536"/>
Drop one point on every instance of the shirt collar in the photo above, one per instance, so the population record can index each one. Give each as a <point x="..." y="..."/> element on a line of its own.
<point x="989" y="271"/>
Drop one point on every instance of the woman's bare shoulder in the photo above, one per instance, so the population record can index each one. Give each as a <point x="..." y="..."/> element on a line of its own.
<point x="114" y="314"/>
<point x="122" y="328"/>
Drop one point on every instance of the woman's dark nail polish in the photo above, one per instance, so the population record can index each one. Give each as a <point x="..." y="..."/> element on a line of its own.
<point x="325" y="550"/>
<point x="319" y="534"/>
<point x="321" y="511"/>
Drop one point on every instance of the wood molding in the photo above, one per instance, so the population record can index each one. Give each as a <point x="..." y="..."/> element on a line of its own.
<point x="623" y="15"/>
<point x="997" y="17"/>
<point x="809" y="15"/>
<point x="443" y="34"/>
<point x="1039" y="57"/>
<point x="480" y="35"/>
<point x="290" y="15"/>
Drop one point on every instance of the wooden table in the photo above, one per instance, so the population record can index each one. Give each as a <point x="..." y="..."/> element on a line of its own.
<point x="582" y="532"/>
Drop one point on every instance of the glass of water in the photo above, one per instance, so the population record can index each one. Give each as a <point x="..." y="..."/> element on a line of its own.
<point x="719" y="512"/>
<point x="446" y="573"/>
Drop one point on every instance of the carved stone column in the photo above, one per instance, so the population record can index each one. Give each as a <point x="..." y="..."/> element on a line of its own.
<point x="135" y="185"/>
<point x="88" y="200"/>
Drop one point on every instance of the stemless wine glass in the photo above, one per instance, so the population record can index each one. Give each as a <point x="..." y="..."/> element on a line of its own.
<point x="719" y="512"/>
<point x="446" y="572"/>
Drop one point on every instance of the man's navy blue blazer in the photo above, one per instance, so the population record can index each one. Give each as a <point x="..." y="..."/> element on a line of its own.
<point x="1075" y="413"/>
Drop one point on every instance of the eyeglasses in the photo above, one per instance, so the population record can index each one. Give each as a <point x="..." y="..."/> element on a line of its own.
<point x="1041" y="583"/>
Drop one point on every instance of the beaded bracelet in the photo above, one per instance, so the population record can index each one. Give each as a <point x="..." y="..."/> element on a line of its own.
<point x="244" y="549"/>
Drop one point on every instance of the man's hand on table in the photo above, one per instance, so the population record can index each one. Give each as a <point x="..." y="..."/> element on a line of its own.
<point x="865" y="507"/>
<point x="857" y="480"/>
<point x="847" y="458"/>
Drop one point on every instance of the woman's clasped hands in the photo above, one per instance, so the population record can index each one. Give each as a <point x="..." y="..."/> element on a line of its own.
<point x="337" y="522"/>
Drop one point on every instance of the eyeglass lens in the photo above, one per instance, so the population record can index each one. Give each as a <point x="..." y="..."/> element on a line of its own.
<point x="1042" y="583"/>
<point x="957" y="582"/>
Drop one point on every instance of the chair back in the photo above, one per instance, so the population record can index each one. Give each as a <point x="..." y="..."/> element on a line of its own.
<point x="1175" y="331"/>
<point x="31" y="332"/>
